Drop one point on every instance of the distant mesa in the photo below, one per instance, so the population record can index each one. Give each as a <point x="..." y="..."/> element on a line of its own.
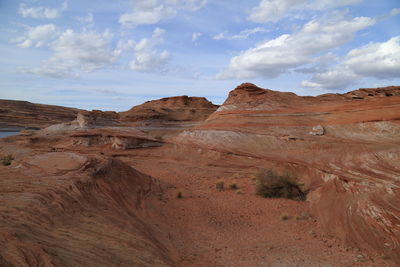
<point x="97" y="118"/>
<point x="23" y="114"/>
<point x="178" y="108"/>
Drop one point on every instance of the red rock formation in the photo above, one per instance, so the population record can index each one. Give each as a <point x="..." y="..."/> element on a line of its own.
<point x="23" y="114"/>
<point x="178" y="108"/>
<point x="113" y="138"/>
<point x="351" y="167"/>
<point x="70" y="198"/>
<point x="66" y="209"/>
<point x="97" y="118"/>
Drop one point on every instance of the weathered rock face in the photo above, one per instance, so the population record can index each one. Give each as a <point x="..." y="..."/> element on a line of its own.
<point x="349" y="163"/>
<point x="179" y="108"/>
<point x="82" y="193"/>
<point x="248" y="96"/>
<point x="97" y="118"/>
<point x="23" y="114"/>
<point x="115" y="138"/>
<point x="77" y="202"/>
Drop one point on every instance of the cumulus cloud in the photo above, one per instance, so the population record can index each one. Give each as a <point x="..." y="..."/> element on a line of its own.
<point x="274" y="10"/>
<point x="271" y="58"/>
<point x="38" y="36"/>
<point x="154" y="11"/>
<point x="241" y="35"/>
<point x="41" y="12"/>
<point x="332" y="79"/>
<point x="73" y="52"/>
<point x="377" y="60"/>
<point x="146" y="57"/>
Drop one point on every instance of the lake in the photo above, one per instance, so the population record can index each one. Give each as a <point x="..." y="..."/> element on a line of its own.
<point x="5" y="134"/>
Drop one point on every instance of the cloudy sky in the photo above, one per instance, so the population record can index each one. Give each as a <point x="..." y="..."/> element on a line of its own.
<point x="111" y="55"/>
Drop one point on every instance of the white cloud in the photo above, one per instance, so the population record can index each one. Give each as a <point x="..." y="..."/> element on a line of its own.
<point x="73" y="52"/>
<point x="38" y="36"/>
<point x="124" y="45"/>
<point x="88" y="20"/>
<point x="377" y="60"/>
<point x="332" y="79"/>
<point x="219" y="36"/>
<point x="380" y="60"/>
<point x="195" y="36"/>
<point x="25" y="44"/>
<point x="41" y="12"/>
<point x="146" y="57"/>
<point x="274" y="57"/>
<point x="274" y="10"/>
<point x="56" y="72"/>
<point x="241" y="35"/>
<point x="154" y="11"/>
<point x="395" y="12"/>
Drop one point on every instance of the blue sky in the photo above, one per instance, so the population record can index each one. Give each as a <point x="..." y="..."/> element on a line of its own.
<point x="112" y="55"/>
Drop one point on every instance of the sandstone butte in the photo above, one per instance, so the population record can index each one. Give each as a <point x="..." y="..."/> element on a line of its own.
<point x="138" y="188"/>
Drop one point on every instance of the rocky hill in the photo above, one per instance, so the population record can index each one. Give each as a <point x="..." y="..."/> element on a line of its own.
<point x="178" y="108"/>
<point x="22" y="114"/>
<point x="344" y="148"/>
<point x="99" y="191"/>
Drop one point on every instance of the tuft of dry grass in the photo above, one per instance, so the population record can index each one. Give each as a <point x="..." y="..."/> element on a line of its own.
<point x="239" y="192"/>
<point x="303" y="216"/>
<point x="220" y="185"/>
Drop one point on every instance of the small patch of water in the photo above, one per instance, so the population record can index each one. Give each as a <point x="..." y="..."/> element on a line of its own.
<point x="5" y="134"/>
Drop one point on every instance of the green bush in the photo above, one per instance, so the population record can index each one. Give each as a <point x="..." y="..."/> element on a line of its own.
<point x="6" y="161"/>
<point x="272" y="185"/>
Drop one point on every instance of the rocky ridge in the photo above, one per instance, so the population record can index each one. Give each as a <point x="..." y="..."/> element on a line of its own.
<point x="179" y="108"/>
<point x="97" y="181"/>
<point x="22" y="114"/>
<point x="344" y="148"/>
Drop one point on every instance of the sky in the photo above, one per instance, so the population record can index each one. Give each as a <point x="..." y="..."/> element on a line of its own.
<point x="112" y="55"/>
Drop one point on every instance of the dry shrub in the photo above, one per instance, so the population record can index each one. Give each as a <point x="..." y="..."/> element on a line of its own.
<point x="272" y="185"/>
<point x="6" y="160"/>
<point x="233" y="186"/>
<point x="285" y="217"/>
<point x="239" y="192"/>
<point x="220" y="185"/>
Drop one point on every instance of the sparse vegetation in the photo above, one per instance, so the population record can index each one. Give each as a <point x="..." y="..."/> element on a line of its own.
<point x="159" y="138"/>
<point x="285" y="217"/>
<point x="220" y="185"/>
<point x="303" y="216"/>
<point x="239" y="192"/>
<point x="6" y="160"/>
<point x="271" y="185"/>
<point x="385" y="257"/>
<point x="179" y="194"/>
<point x="233" y="186"/>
